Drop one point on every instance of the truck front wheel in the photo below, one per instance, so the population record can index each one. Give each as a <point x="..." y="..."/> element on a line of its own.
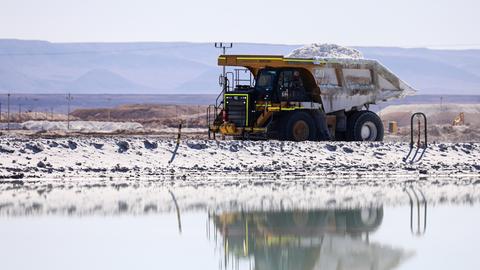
<point x="299" y="126"/>
<point x="364" y="126"/>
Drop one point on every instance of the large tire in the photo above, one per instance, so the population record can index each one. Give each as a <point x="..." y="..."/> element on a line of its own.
<point x="364" y="126"/>
<point x="299" y="126"/>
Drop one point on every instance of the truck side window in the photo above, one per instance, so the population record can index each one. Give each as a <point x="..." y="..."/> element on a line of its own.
<point x="291" y="85"/>
<point x="297" y="82"/>
<point x="285" y="80"/>
<point x="265" y="81"/>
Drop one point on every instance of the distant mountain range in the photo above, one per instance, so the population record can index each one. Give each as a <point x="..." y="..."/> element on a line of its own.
<point x="190" y="68"/>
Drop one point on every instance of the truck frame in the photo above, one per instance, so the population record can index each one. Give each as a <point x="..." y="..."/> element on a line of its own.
<point x="302" y="99"/>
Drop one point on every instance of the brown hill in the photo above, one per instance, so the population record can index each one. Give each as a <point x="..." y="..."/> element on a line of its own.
<point x="436" y="113"/>
<point x="440" y="119"/>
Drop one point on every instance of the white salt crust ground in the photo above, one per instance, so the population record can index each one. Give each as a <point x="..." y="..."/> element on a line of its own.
<point x="81" y="126"/>
<point x="93" y="175"/>
<point x="149" y="157"/>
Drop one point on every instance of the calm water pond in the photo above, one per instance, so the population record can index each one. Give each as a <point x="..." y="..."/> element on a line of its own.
<point x="364" y="238"/>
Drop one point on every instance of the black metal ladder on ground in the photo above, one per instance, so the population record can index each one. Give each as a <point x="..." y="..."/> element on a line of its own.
<point x="420" y="145"/>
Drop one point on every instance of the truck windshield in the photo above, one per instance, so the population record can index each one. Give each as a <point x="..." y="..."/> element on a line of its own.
<point x="265" y="80"/>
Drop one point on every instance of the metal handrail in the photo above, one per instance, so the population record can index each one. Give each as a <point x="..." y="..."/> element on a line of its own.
<point x="237" y="79"/>
<point x="212" y="115"/>
<point x="425" y="129"/>
<point x="420" y="145"/>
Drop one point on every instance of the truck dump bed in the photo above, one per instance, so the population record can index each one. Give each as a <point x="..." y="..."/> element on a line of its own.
<point x="343" y="84"/>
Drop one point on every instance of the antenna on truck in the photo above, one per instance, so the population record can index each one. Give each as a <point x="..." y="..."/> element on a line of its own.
<point x="224" y="46"/>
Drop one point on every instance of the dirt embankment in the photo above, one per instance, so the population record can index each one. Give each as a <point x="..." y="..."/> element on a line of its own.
<point x="164" y="119"/>
<point x="16" y="117"/>
<point x="149" y="115"/>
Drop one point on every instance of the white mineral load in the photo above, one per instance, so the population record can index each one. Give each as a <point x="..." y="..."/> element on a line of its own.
<point x="325" y="50"/>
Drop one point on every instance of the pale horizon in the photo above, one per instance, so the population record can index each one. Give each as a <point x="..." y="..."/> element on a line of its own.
<point x="431" y="47"/>
<point x="405" y="24"/>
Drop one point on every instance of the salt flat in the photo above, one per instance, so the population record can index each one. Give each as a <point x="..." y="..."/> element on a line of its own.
<point x="105" y="175"/>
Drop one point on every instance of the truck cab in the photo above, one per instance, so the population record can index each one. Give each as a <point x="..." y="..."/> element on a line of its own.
<point x="266" y="105"/>
<point x="281" y="84"/>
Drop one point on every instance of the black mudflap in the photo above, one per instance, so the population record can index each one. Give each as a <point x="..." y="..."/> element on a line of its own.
<point x="322" y="128"/>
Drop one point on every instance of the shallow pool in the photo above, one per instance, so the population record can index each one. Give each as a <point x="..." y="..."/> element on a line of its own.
<point x="377" y="237"/>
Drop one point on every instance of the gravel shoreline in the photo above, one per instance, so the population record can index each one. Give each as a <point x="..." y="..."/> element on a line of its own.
<point x="147" y="157"/>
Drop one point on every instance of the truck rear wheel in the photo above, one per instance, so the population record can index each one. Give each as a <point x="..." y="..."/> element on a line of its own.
<point x="299" y="127"/>
<point x="366" y="219"/>
<point x="364" y="126"/>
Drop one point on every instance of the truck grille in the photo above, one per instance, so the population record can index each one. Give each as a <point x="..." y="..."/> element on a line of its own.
<point x="237" y="106"/>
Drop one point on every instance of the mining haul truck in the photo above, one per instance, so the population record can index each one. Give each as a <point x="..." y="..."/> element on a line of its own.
<point x="302" y="99"/>
<point x="306" y="239"/>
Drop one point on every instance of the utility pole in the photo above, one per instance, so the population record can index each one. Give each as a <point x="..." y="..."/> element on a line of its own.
<point x="19" y="112"/>
<point x="69" y="100"/>
<point x="8" y="111"/>
<point x="0" y="111"/>
<point x="109" y="109"/>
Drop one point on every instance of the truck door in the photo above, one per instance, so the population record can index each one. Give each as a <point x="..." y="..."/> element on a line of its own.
<point x="290" y="86"/>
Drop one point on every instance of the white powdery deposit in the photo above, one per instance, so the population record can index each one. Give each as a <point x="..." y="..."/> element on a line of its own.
<point x="109" y="175"/>
<point x="82" y="126"/>
<point x="325" y="50"/>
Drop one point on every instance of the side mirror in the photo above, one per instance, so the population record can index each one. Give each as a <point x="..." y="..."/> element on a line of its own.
<point x="221" y="80"/>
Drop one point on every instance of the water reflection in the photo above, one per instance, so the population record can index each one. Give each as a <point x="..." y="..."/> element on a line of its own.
<point x="304" y="240"/>
<point x="418" y="211"/>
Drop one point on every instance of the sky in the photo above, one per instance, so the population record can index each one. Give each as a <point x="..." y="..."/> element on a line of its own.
<point x="404" y="23"/>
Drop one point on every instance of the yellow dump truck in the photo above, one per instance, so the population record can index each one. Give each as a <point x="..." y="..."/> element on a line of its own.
<point x="302" y="99"/>
<point x="305" y="239"/>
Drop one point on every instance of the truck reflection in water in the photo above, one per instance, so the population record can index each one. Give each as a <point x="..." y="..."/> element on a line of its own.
<point x="304" y="240"/>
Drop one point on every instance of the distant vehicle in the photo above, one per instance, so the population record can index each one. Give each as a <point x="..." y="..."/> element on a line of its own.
<point x="302" y="99"/>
